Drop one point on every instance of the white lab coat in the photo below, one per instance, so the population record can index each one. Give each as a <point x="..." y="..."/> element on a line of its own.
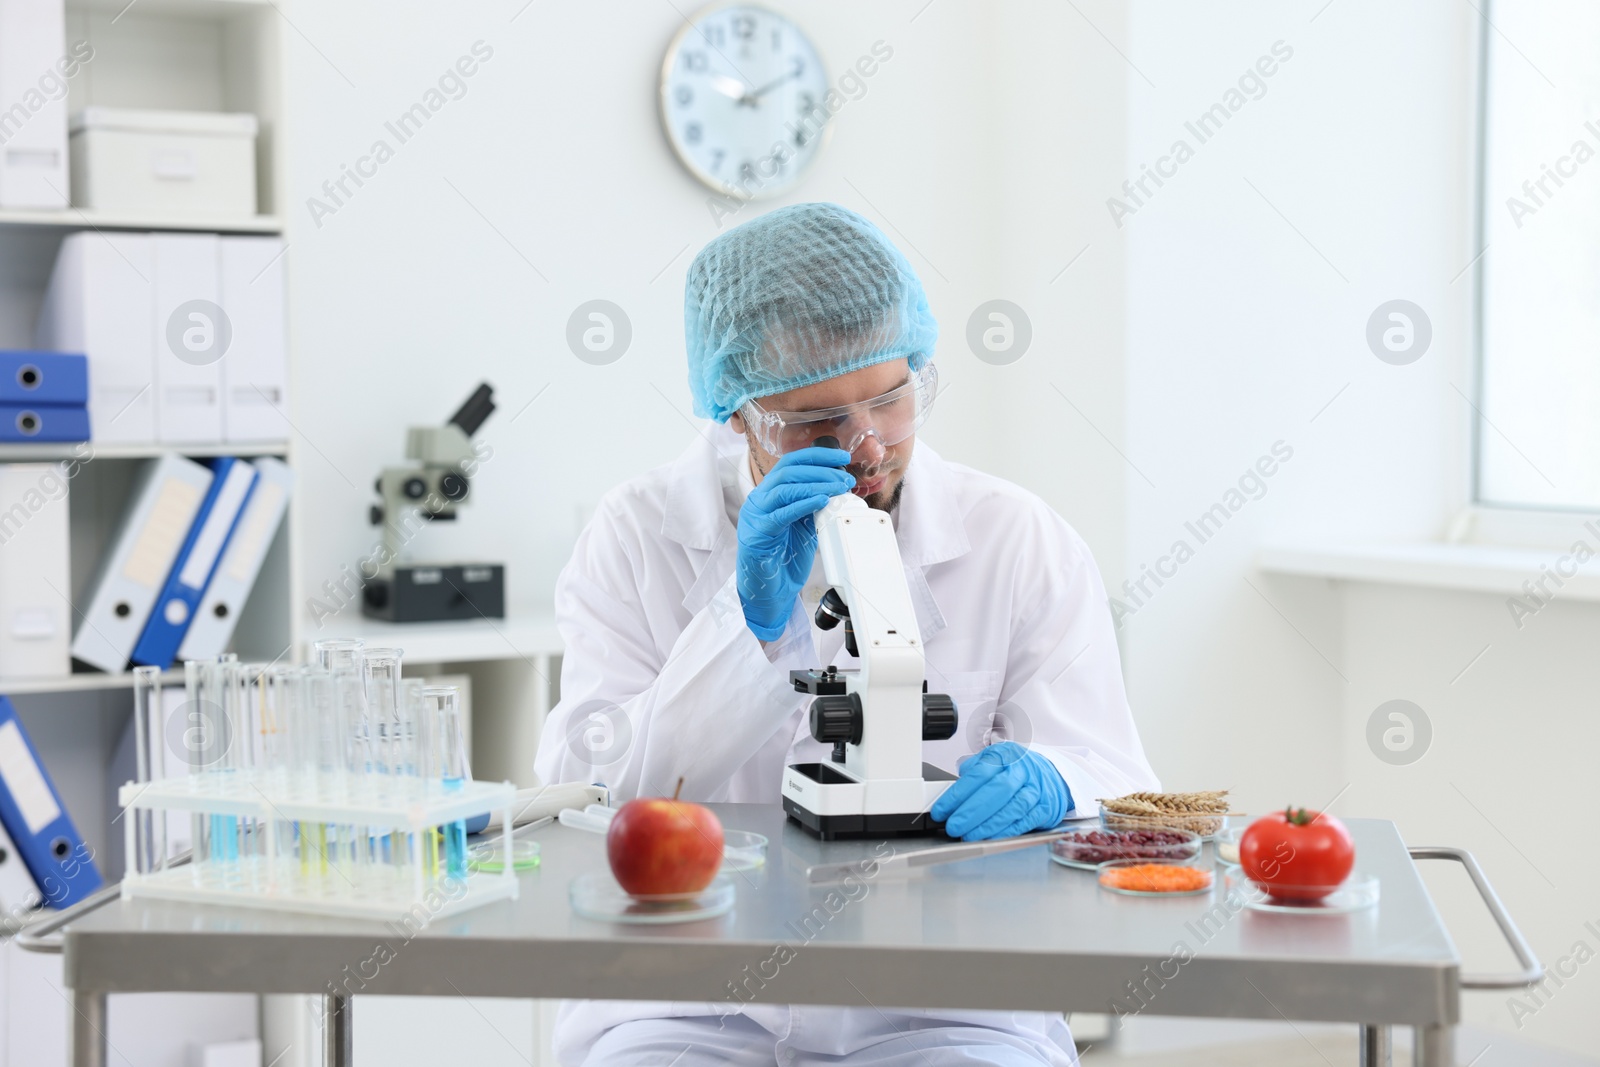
<point x="662" y="680"/>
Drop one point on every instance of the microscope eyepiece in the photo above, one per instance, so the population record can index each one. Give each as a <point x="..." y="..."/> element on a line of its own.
<point x="478" y="407"/>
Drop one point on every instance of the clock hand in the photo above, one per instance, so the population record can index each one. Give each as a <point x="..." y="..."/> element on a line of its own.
<point x="756" y="95"/>
<point x="730" y="87"/>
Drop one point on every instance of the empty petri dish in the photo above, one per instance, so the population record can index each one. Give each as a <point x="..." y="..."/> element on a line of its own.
<point x="598" y="896"/>
<point x="1227" y="845"/>
<point x="489" y="857"/>
<point x="743" y="850"/>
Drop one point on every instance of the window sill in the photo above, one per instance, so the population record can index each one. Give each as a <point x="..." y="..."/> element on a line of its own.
<point x="1468" y="567"/>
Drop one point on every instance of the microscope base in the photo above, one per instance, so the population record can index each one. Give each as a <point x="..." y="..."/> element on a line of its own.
<point x="832" y="805"/>
<point x="436" y="592"/>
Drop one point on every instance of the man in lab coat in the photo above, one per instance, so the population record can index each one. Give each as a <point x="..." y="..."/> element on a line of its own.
<point x="690" y="595"/>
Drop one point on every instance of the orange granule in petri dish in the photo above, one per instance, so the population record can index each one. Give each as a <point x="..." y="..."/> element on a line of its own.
<point x="1155" y="878"/>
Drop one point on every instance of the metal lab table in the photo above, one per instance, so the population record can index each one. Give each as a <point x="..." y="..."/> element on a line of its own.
<point x="1012" y="931"/>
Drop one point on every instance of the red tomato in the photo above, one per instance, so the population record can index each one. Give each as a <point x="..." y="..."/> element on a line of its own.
<point x="1297" y="854"/>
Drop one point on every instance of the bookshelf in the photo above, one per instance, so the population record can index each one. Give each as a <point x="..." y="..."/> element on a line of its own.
<point x="230" y="62"/>
<point x="200" y="55"/>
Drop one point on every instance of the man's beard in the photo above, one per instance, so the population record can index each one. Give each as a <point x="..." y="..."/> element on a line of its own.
<point x="887" y="501"/>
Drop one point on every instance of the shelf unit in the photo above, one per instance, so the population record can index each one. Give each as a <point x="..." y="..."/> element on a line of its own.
<point x="14" y="453"/>
<point x="521" y="635"/>
<point x="85" y="682"/>
<point x="203" y="9"/>
<point x="201" y="55"/>
<point x="73" y="219"/>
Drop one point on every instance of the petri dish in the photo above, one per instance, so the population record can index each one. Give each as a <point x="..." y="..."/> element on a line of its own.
<point x="1155" y="878"/>
<point x="1227" y="845"/>
<point x="1086" y="850"/>
<point x="743" y="850"/>
<point x="1357" y="893"/>
<point x="489" y="857"/>
<point x="598" y="896"/>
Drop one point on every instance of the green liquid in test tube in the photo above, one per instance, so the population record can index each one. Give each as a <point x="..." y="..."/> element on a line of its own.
<point x="307" y="695"/>
<point x="346" y="709"/>
<point x="444" y="716"/>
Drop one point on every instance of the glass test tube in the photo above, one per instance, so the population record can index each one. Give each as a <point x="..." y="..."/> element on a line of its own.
<point x="416" y="727"/>
<point x="267" y="758"/>
<point x="222" y="693"/>
<point x="413" y="728"/>
<point x="443" y="704"/>
<point x="347" y="696"/>
<point x="381" y="668"/>
<point x="196" y="727"/>
<point x="150" y="827"/>
<point x="320" y="750"/>
<point x="342" y="659"/>
<point x="272" y="757"/>
<point x="333" y="770"/>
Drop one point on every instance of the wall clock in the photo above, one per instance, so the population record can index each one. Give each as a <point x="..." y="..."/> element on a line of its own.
<point x="742" y="91"/>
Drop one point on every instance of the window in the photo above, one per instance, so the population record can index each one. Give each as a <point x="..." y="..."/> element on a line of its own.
<point x="1538" y="444"/>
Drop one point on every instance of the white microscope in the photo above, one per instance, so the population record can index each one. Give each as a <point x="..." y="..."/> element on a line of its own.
<point x="877" y="717"/>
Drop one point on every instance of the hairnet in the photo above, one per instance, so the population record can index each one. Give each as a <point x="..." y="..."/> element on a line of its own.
<point x="803" y="293"/>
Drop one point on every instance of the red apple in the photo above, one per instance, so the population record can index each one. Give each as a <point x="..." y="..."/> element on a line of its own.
<point x="657" y="846"/>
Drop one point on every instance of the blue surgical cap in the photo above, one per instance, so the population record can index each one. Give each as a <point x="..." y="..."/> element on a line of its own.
<point x="803" y="293"/>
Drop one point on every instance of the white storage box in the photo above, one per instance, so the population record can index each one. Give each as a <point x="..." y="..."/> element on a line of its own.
<point x="33" y="61"/>
<point x="168" y="164"/>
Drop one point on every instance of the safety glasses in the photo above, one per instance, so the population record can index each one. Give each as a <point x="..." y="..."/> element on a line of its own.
<point x="891" y="418"/>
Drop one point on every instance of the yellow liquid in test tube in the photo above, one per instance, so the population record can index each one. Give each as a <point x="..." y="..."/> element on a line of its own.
<point x="313" y="849"/>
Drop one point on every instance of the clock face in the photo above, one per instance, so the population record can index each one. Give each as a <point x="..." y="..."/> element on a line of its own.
<point x="742" y="100"/>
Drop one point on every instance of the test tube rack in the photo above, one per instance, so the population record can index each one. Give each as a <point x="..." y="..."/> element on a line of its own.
<point x="285" y="866"/>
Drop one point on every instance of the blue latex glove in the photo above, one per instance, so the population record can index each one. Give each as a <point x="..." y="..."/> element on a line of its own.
<point x="1003" y="791"/>
<point x="778" y="535"/>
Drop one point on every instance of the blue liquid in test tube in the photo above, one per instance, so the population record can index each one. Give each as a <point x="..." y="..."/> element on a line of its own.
<point x="443" y="708"/>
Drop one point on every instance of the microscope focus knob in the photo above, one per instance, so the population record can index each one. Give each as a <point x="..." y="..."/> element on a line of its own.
<point x="938" y="717"/>
<point x="835" y="719"/>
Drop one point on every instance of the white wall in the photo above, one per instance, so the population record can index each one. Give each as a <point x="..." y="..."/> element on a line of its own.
<point x="960" y="140"/>
<point x="1240" y="332"/>
<point x="1240" y="329"/>
<point x="557" y="144"/>
<point x="1189" y="340"/>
